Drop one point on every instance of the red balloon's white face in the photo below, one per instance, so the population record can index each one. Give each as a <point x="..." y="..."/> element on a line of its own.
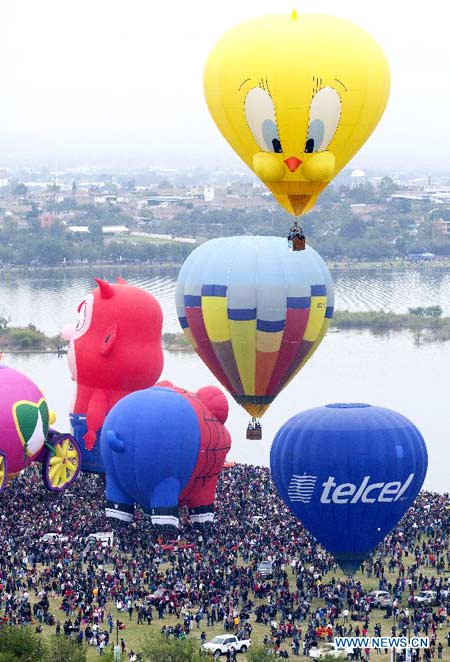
<point x="72" y="332"/>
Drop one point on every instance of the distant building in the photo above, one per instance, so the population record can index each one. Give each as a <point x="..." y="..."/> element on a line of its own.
<point x="439" y="194"/>
<point x="358" y="178"/>
<point x="115" y="229"/>
<point x="208" y="193"/>
<point x="102" y="199"/>
<point x="78" y="229"/>
<point x="410" y="195"/>
<point x="165" y="237"/>
<point x="106" y="229"/>
<point x="444" y="226"/>
<point x="421" y="257"/>
<point x="46" y="220"/>
<point x="4" y="181"/>
<point x="155" y="200"/>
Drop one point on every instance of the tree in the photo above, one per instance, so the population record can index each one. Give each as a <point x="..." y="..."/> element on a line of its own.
<point x="10" y="228"/>
<point x="401" y="205"/>
<point x="21" y="645"/>
<point x="259" y="654"/>
<point x="146" y="213"/>
<point x="33" y="218"/>
<point x="387" y="186"/>
<point x="163" y="649"/>
<point x="328" y="195"/>
<point x="19" y="189"/>
<point x="4" y="319"/>
<point x="430" y="311"/>
<point x="419" y="311"/>
<point x="62" y="648"/>
<point x="433" y="311"/>
<point x="96" y="231"/>
<point x="361" y="194"/>
<point x="57" y="230"/>
<point x="352" y="228"/>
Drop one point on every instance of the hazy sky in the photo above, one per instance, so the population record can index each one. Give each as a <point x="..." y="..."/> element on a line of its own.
<point x="94" y="80"/>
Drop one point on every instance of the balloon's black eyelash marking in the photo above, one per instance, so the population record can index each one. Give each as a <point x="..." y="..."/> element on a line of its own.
<point x="341" y="83"/>
<point x="243" y="83"/>
<point x="264" y="85"/>
<point x="317" y="84"/>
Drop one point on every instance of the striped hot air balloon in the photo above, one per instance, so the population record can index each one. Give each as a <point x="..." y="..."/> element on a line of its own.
<point x="254" y="312"/>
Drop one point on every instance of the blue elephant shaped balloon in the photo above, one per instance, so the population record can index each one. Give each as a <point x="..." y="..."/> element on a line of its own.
<point x="348" y="472"/>
<point x="164" y="447"/>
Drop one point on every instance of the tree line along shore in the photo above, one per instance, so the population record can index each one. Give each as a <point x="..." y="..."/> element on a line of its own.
<point x="427" y="323"/>
<point x="173" y="265"/>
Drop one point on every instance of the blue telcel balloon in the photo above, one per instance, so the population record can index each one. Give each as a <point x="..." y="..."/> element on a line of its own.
<point x="348" y="472"/>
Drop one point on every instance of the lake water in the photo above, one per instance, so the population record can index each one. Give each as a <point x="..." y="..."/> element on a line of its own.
<point x="49" y="299"/>
<point x="392" y="371"/>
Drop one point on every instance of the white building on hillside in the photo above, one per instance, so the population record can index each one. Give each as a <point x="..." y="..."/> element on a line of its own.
<point x="358" y="178"/>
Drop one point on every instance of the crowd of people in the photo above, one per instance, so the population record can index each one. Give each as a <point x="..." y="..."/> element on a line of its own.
<point x="210" y="577"/>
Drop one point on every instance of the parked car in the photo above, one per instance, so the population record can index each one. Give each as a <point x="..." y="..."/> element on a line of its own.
<point x="426" y="597"/>
<point x="385" y="601"/>
<point x="173" y="545"/>
<point x="256" y="519"/>
<point x="106" y="538"/>
<point x="330" y="650"/>
<point x="265" y="569"/>
<point x="54" y="537"/>
<point x="162" y="595"/>
<point x="225" y="642"/>
<point x="380" y="599"/>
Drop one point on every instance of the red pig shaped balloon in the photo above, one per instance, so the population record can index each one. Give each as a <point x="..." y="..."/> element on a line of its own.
<point x="114" y="349"/>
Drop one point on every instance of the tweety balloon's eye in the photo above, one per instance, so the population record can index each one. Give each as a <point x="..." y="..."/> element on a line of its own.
<point x="324" y="115"/>
<point x="260" y="116"/>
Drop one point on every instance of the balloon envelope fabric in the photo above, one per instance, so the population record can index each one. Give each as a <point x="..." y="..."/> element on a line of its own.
<point x="254" y="312"/>
<point x="348" y="472"/>
<point x="296" y="97"/>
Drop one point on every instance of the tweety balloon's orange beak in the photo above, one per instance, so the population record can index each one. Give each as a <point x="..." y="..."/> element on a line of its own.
<point x="293" y="163"/>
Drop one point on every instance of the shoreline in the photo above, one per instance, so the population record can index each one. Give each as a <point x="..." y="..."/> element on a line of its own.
<point x="88" y="268"/>
<point x="426" y="326"/>
<point x="344" y="265"/>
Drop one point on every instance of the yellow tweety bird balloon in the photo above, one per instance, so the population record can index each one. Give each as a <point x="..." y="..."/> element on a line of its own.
<point x="296" y="97"/>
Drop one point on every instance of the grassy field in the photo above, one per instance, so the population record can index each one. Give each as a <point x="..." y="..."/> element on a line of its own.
<point x="134" y="633"/>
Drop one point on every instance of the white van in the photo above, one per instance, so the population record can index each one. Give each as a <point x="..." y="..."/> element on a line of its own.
<point x="105" y="537"/>
<point x="54" y="537"/>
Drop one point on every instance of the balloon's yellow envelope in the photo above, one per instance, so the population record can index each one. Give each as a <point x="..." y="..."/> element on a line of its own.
<point x="296" y="97"/>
